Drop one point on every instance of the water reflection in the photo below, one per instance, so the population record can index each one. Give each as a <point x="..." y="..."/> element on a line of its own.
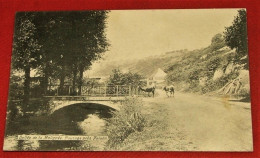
<point x="92" y="125"/>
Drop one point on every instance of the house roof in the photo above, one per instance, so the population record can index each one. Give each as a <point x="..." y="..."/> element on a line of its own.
<point x="158" y="74"/>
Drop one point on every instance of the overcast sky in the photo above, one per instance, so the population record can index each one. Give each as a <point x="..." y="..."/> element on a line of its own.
<point x="140" y="33"/>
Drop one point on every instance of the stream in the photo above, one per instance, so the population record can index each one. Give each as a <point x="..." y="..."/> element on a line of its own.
<point x="83" y="119"/>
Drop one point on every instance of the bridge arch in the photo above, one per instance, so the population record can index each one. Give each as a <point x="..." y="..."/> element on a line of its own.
<point x="58" y="104"/>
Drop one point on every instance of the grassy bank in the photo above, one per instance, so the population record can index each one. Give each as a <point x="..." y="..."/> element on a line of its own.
<point x="157" y="133"/>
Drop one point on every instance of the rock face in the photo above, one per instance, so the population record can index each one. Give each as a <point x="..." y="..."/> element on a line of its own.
<point x="202" y="81"/>
<point x="204" y="56"/>
<point x="230" y="68"/>
<point x="244" y="79"/>
<point x="224" y="48"/>
<point x="217" y="74"/>
<point x="238" y="86"/>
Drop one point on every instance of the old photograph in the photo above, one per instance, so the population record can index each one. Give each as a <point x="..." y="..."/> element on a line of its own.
<point x="130" y="80"/>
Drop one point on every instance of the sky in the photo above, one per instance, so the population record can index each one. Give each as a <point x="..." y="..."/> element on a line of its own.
<point x="135" y="34"/>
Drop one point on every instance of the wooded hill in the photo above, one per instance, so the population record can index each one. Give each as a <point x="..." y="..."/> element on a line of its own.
<point x="215" y="68"/>
<point x="211" y="69"/>
<point x="145" y="67"/>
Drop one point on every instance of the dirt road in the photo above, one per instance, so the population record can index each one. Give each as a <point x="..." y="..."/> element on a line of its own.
<point x="208" y="123"/>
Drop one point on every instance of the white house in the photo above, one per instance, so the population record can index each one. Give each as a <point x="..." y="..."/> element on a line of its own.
<point x="157" y="78"/>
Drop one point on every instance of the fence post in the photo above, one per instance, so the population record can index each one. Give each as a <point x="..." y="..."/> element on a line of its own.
<point x="117" y="90"/>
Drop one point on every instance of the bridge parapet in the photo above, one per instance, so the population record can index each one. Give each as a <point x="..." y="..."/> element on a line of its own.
<point x="101" y="91"/>
<point x="86" y="98"/>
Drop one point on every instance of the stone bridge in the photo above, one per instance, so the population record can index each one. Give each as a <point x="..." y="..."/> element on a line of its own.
<point x="58" y="102"/>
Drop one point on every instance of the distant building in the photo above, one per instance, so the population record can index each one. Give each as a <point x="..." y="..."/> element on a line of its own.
<point x="157" y="78"/>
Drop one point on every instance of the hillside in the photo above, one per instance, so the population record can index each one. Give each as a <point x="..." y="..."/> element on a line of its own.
<point x="148" y="66"/>
<point x="215" y="68"/>
<point x="144" y="67"/>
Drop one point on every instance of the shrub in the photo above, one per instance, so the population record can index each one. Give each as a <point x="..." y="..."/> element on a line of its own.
<point x="219" y="83"/>
<point x="243" y="93"/>
<point x="119" y="78"/>
<point x="15" y="87"/>
<point x="217" y="42"/>
<point x="126" y="120"/>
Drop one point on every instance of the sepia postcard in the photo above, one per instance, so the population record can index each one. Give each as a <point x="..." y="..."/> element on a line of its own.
<point x="130" y="80"/>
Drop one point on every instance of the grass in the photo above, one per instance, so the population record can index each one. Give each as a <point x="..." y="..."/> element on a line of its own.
<point x="156" y="134"/>
<point x="125" y="121"/>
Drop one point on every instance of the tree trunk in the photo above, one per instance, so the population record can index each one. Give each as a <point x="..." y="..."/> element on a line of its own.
<point x="46" y="78"/>
<point x="62" y="78"/>
<point x="80" y="79"/>
<point x="74" y="82"/>
<point x="61" y="87"/>
<point x="45" y="83"/>
<point x="26" y="85"/>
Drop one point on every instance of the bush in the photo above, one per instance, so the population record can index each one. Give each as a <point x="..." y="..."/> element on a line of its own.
<point x="15" y="87"/>
<point x="219" y="83"/>
<point x="127" y="120"/>
<point x="217" y="42"/>
<point x="119" y="78"/>
<point x="212" y="64"/>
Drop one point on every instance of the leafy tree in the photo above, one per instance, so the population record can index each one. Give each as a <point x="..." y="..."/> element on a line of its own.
<point x="116" y="77"/>
<point x="217" y="42"/>
<point x="94" y="40"/>
<point x="58" y="44"/>
<point x="71" y="42"/>
<point x="16" y="86"/>
<point x="25" y="49"/>
<point x="213" y="63"/>
<point x="236" y="34"/>
<point x="129" y="78"/>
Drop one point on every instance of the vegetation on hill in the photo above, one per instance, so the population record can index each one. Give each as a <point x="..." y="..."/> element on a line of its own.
<point x="197" y="68"/>
<point x="145" y="67"/>
<point x="236" y="34"/>
<point x="222" y="67"/>
<point x="219" y="67"/>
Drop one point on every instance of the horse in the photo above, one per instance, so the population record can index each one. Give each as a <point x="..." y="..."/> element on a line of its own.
<point x="148" y="90"/>
<point x="169" y="89"/>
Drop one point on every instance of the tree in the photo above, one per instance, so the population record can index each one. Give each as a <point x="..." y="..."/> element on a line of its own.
<point x="83" y="41"/>
<point x="89" y="42"/>
<point x="129" y="78"/>
<point x="236" y="34"/>
<point x="53" y="30"/>
<point x="116" y="77"/>
<point x="217" y="42"/>
<point x="16" y="86"/>
<point x="58" y="44"/>
<point x="71" y="42"/>
<point x="25" y="49"/>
